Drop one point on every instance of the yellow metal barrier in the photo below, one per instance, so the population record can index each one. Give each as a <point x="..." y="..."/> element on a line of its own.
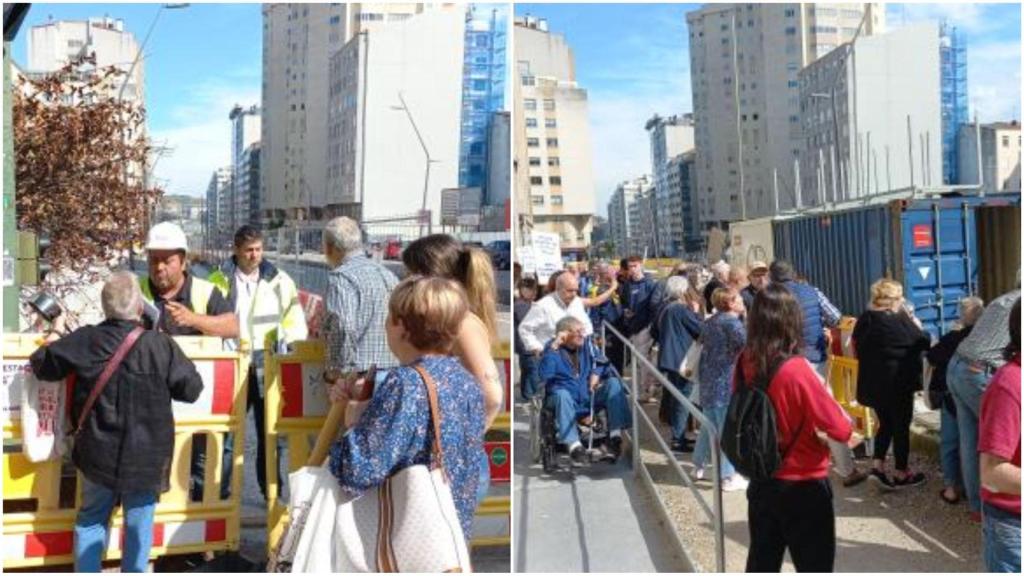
<point x="296" y="407"/>
<point x="42" y="499"/>
<point x="842" y="378"/>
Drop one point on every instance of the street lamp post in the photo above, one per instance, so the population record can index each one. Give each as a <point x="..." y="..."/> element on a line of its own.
<point x="426" y="153"/>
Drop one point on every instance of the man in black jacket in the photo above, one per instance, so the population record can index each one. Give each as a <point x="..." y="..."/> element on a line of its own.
<point x="125" y="446"/>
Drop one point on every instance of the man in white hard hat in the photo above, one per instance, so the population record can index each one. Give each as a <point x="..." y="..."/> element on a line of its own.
<point x="178" y="303"/>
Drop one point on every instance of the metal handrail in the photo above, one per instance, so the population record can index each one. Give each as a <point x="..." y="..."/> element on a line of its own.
<point x="715" y="517"/>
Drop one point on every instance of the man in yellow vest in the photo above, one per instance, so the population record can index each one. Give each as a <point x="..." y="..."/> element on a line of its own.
<point x="178" y="303"/>
<point x="270" y="317"/>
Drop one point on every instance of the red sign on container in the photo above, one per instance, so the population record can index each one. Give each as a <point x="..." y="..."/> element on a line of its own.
<point x="922" y="236"/>
<point x="498" y="457"/>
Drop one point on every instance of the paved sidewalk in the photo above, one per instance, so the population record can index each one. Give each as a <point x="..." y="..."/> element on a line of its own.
<point x="601" y="520"/>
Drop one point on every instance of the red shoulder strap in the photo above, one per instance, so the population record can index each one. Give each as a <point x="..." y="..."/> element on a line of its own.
<point x="108" y="371"/>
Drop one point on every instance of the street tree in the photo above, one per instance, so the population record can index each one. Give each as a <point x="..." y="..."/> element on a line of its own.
<point x="80" y="155"/>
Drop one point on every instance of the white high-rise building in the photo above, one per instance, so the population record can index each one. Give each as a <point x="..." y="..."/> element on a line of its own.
<point x="888" y="115"/>
<point x="219" y="209"/>
<point x="298" y="43"/>
<point x="670" y="137"/>
<point x="631" y="216"/>
<point x="56" y="43"/>
<point x="553" y="155"/>
<point x="376" y="165"/>
<point x="744" y="61"/>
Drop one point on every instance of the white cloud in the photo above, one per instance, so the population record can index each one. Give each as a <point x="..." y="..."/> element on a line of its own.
<point x="198" y="133"/>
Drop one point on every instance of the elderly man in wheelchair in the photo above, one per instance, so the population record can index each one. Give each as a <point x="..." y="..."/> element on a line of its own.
<point x="579" y="383"/>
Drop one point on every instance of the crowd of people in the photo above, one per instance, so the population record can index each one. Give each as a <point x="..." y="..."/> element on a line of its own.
<point x="776" y="328"/>
<point x="438" y="323"/>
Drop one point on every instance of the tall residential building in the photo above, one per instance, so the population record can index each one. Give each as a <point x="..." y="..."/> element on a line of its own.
<point x="391" y="88"/>
<point x="218" y="209"/>
<point x="555" y="152"/>
<point x="744" y="60"/>
<point x="298" y="43"/>
<point x="245" y="131"/>
<point x="53" y="44"/>
<point x="1000" y="156"/>
<point x="670" y="137"/>
<point x="953" y="59"/>
<point x="246" y="188"/>
<point x="631" y="216"/>
<point x="888" y="115"/>
<point x="681" y="181"/>
<point x="483" y="89"/>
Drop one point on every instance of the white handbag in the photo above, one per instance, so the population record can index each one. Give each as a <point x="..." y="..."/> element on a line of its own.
<point x="407" y="524"/>
<point x="689" y="368"/>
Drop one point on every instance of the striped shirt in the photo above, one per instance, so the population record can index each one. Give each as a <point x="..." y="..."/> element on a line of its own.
<point x="356" y="309"/>
<point x="991" y="333"/>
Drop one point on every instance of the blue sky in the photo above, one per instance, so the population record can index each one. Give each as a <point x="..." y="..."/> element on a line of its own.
<point x="633" y="59"/>
<point x="200" y="61"/>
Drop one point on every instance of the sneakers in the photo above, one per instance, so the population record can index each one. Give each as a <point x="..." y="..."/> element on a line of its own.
<point x="735" y="483"/>
<point x="880" y="480"/>
<point x="683" y="446"/>
<point x="699" y="474"/>
<point x="578" y="455"/>
<point x="855" y="477"/>
<point x="914" y="479"/>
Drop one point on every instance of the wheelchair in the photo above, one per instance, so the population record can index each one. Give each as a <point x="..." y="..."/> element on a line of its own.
<point x="544" y="445"/>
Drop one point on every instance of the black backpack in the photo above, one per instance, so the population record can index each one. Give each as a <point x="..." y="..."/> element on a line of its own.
<point x="750" y="435"/>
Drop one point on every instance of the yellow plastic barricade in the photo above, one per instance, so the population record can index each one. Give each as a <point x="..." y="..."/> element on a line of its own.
<point x="297" y="405"/>
<point x="842" y="378"/>
<point x="41" y="499"/>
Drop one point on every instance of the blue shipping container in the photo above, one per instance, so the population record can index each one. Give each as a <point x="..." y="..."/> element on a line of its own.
<point x="929" y="245"/>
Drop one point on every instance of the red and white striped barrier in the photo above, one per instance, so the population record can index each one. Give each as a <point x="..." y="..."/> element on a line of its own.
<point x="218" y="391"/>
<point x="303" y="391"/>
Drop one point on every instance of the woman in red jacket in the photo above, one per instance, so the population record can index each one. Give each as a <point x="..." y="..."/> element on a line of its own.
<point x="794" y="509"/>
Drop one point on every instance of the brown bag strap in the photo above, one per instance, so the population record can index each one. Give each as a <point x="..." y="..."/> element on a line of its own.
<point x="435" y="416"/>
<point x="108" y="371"/>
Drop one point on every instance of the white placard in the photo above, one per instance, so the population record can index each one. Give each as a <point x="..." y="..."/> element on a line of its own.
<point x="547" y="253"/>
<point x="525" y="256"/>
<point x="15" y="372"/>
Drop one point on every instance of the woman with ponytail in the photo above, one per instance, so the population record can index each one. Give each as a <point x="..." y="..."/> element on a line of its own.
<point x="443" y="256"/>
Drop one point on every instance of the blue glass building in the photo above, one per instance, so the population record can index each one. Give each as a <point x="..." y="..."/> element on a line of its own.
<point x="953" y="83"/>
<point x="483" y="87"/>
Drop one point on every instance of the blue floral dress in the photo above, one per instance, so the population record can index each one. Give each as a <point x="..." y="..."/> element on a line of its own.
<point x="395" y="432"/>
<point x="724" y="337"/>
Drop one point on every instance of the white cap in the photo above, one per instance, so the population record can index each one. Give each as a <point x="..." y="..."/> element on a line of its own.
<point x="166" y="236"/>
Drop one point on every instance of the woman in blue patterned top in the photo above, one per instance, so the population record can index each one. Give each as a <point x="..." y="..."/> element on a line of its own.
<point x="724" y="337"/>
<point x="394" y="429"/>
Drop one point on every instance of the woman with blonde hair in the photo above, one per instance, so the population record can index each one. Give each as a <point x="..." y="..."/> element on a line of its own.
<point x="889" y="341"/>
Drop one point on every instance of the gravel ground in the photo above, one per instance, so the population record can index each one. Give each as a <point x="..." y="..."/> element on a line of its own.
<point x="907" y="531"/>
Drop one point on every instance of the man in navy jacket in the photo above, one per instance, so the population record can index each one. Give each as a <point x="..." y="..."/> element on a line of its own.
<point x="571" y="373"/>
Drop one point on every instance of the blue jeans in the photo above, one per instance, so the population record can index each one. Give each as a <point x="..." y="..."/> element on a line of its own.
<point x="678" y="412"/>
<point x="609" y="396"/>
<point x="92" y="527"/>
<point x="529" y="377"/>
<point x="967" y="386"/>
<point x="1001" y="538"/>
<point x="702" y="452"/>
<point x="949" y="447"/>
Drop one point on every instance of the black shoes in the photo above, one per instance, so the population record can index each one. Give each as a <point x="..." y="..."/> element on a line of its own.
<point x="615" y="447"/>
<point x="886" y="484"/>
<point x="915" y="479"/>
<point x="880" y="480"/>
<point x="578" y="455"/>
<point x="683" y="446"/>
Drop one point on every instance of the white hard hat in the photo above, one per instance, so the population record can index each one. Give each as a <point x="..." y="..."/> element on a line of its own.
<point x="166" y="236"/>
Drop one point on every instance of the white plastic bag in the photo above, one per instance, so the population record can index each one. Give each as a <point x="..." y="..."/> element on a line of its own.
<point x="42" y="419"/>
<point x="690" y="367"/>
<point x="308" y="544"/>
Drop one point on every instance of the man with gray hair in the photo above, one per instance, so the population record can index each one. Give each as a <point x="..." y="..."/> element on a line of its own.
<point x="356" y="306"/>
<point x="126" y="439"/>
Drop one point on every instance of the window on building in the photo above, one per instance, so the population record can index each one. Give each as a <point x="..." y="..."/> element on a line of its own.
<point x="555" y="181"/>
<point x="531" y="122"/>
<point x="849" y="31"/>
<point x="792" y="83"/>
<point x="790" y="13"/>
<point x="554" y="161"/>
<point x="550" y="123"/>
<point x="529" y="81"/>
<point x="552" y="142"/>
<point x="549" y="104"/>
<point x="537" y="200"/>
<point x="536" y="180"/>
<point x="1006" y="141"/>
<point x="852" y="14"/>
<point x="335" y="20"/>
<point x="530" y="104"/>
<point x="532" y="143"/>
<point x="479" y="84"/>
<point x="556" y="199"/>
<point x="790" y="30"/>
<point x="534" y="161"/>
